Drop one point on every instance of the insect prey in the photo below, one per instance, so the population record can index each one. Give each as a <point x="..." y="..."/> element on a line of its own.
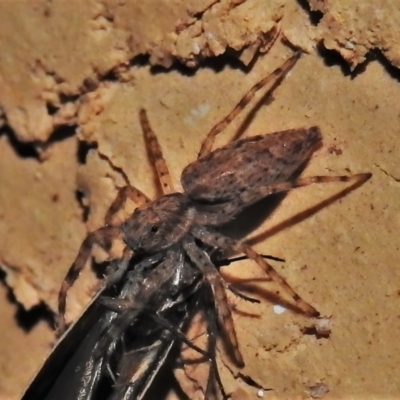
<point x="217" y="187"/>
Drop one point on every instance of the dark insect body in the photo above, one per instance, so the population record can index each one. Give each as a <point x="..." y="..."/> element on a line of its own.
<point x="114" y="361"/>
<point x="119" y="345"/>
<point x="218" y="186"/>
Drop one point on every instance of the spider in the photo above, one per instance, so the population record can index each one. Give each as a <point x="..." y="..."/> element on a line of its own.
<point x="217" y="187"/>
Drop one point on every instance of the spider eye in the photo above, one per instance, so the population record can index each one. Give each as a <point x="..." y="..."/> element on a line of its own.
<point x="154" y="228"/>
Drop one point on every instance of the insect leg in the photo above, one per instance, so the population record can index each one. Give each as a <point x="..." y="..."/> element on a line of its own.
<point x="179" y="334"/>
<point x="275" y="78"/>
<point x="156" y="155"/>
<point x="241" y="295"/>
<point x="117" y="268"/>
<point x="102" y="236"/>
<point x="229" y="261"/>
<point x="218" y="240"/>
<point x="115" y="331"/>
<point x="212" y="276"/>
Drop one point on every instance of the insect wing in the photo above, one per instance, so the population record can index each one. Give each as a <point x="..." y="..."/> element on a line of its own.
<point x="126" y="366"/>
<point x="175" y="303"/>
<point x="139" y="367"/>
<point x="70" y="369"/>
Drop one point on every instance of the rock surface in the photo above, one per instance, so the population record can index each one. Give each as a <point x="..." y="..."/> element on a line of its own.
<point x="71" y="84"/>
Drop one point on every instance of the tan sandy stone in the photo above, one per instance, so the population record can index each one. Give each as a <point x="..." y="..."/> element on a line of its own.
<point x="63" y="65"/>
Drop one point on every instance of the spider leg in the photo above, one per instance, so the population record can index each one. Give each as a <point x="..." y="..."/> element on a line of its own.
<point x="156" y="155"/>
<point x="275" y="78"/>
<point x="218" y="240"/>
<point x="286" y="186"/>
<point x="102" y="236"/>
<point x="212" y="276"/>
<point x="164" y="178"/>
<point x="248" y="197"/>
<point x="308" y="309"/>
<point x="127" y="192"/>
<point x="212" y="331"/>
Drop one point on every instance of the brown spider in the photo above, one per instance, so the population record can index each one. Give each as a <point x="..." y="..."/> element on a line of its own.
<point x="217" y="187"/>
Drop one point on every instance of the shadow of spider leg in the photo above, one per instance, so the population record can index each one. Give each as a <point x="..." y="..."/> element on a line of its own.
<point x="217" y="285"/>
<point x="275" y="78"/>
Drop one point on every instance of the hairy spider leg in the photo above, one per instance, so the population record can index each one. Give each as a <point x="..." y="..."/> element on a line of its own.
<point x="212" y="331"/>
<point x="275" y="78"/>
<point x="159" y="164"/>
<point x="156" y="155"/>
<point x="103" y="237"/>
<point x="217" y="284"/>
<point x="301" y="182"/>
<point x="307" y="308"/>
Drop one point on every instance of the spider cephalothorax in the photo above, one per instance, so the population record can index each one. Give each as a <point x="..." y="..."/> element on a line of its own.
<point x="159" y="225"/>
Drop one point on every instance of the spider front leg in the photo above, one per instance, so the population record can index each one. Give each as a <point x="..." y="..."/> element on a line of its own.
<point x="103" y="237"/>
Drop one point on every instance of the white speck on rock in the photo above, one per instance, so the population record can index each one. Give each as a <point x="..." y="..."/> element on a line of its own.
<point x="279" y="309"/>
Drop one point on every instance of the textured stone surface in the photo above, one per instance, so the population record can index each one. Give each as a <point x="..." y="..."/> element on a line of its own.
<point x="62" y="65"/>
<point x="354" y="28"/>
